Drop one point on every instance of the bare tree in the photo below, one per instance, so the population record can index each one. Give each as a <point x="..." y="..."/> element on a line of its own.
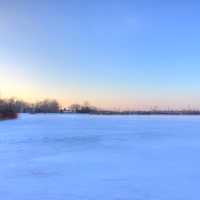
<point x="46" y="106"/>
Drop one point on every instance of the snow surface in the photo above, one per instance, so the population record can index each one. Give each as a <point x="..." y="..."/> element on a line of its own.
<point x="86" y="157"/>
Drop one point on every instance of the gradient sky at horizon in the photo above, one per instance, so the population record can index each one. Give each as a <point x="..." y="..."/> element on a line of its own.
<point x="117" y="54"/>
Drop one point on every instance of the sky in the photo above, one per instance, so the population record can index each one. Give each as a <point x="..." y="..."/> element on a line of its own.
<point x="112" y="53"/>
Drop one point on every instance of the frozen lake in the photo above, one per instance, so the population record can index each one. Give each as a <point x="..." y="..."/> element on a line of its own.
<point x="84" y="157"/>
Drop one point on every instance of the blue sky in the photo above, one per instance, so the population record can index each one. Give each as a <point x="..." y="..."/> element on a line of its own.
<point x="131" y="54"/>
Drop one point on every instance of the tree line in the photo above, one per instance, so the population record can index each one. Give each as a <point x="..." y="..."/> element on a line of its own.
<point x="44" y="106"/>
<point x="9" y="108"/>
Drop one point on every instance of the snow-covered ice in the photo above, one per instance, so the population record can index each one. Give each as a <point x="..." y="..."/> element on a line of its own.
<point x="88" y="157"/>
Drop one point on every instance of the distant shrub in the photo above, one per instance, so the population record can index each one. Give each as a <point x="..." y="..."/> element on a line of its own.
<point x="7" y="109"/>
<point x="8" y="115"/>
